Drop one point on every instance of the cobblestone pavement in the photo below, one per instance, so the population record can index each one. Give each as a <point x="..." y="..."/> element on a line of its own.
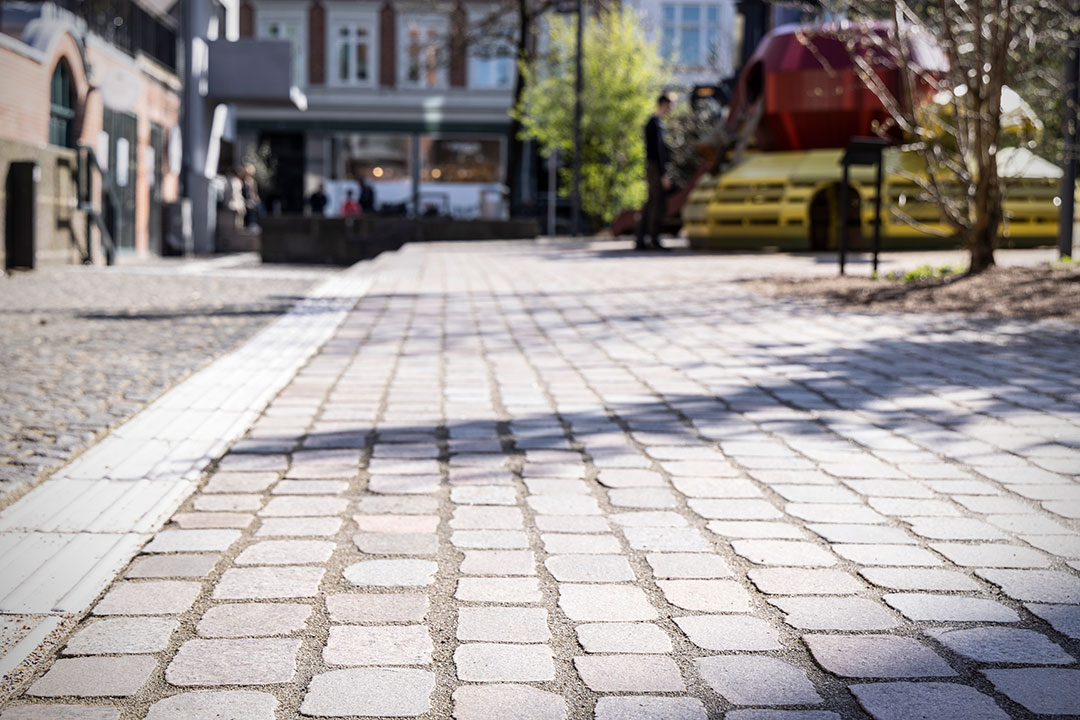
<point x="85" y="348"/>
<point x="528" y="482"/>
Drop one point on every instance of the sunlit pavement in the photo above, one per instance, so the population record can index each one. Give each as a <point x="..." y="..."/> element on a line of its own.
<point x="556" y="480"/>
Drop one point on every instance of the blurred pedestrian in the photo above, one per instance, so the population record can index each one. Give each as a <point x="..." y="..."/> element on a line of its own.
<point x="234" y="195"/>
<point x="351" y="208"/>
<point x="318" y="200"/>
<point x="367" y="196"/>
<point x="656" y="159"/>
<point x="251" y="197"/>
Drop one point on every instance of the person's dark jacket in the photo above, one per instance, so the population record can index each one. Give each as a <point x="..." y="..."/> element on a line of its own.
<point x="656" y="151"/>
<point x="317" y="201"/>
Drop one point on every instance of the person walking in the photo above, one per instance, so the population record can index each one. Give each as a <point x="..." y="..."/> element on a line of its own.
<point x="318" y="201"/>
<point x="656" y="157"/>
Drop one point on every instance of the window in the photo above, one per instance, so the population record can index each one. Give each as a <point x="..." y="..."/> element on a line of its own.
<point x="463" y="159"/>
<point x="287" y="26"/>
<point x="353" y="50"/>
<point x="422" y="42"/>
<point x="494" y="71"/>
<point x="690" y="34"/>
<point x="62" y="107"/>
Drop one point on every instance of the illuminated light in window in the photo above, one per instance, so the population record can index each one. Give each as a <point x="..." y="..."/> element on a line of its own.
<point x="436" y="173"/>
<point x="377" y="172"/>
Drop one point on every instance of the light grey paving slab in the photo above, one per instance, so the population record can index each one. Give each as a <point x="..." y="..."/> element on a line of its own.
<point x="246" y="482"/>
<point x="369" y="692"/>
<point x="1044" y="691"/>
<point x="215" y="705"/>
<point x="646" y="498"/>
<point x="1047" y="586"/>
<point x="956" y="529"/>
<point x="804" y="581"/>
<point x="503" y="624"/>
<point x="851" y="533"/>
<point x="757" y="680"/>
<point x="489" y="539"/>
<point x="755" y="529"/>
<point x="649" y="518"/>
<point x="784" y="552"/>
<point x="590" y="568"/>
<point x="572" y="523"/>
<point x="556" y="486"/>
<point x="507" y="702"/>
<point x="495" y="662"/>
<point x="852" y="614"/>
<point x="259" y="661"/>
<point x="914" y="507"/>
<point x="573" y="504"/>
<point x="183" y="565"/>
<point x="304" y="506"/>
<point x="629" y="673"/>
<point x="483" y="495"/>
<point x="423" y="544"/>
<point x="734" y="509"/>
<point x="237" y="620"/>
<point x="122" y="636"/>
<point x="605" y="603"/>
<point x="699" y="487"/>
<point x="95" y="677"/>
<point x="1030" y="524"/>
<point x="378" y="645"/>
<point x="300" y="527"/>
<point x="286" y="552"/>
<point x="999" y="555"/>
<point x="192" y="541"/>
<point x="706" y="595"/>
<point x="950" y="608"/>
<point x="625" y="638"/>
<point x="151" y="597"/>
<point x="59" y="712"/>
<point x="994" y="644"/>
<point x="923" y="700"/>
<point x="671" y="539"/>
<point x="729" y="632"/>
<point x="486" y="517"/>
<point x="269" y="583"/>
<point x="1063" y="618"/>
<point x="398" y="505"/>
<point x="498" y="589"/>
<point x="396" y="523"/>
<point x="688" y="565"/>
<point x="310" y="487"/>
<point x="888" y="555"/>
<point x="876" y="656"/>
<point x="782" y="715"/>
<point x="377" y="608"/>
<point x="641" y="707"/>
<point x="575" y="543"/>
<point x="392" y="573"/>
<point x="920" y="579"/>
<point x="630" y="478"/>
<point x="213" y="520"/>
<point x="498" y="562"/>
<point x="230" y="502"/>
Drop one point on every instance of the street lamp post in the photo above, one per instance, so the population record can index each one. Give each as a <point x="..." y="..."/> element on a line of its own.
<point x="576" y="199"/>
<point x="1066" y="212"/>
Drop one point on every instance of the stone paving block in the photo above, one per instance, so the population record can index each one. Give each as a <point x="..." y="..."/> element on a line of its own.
<point x="784" y="552"/>
<point x="625" y="638"/>
<point x="498" y="562"/>
<point x="903" y="555"/>
<point x="167" y="541"/>
<point x="647" y="498"/>
<point x="845" y="533"/>
<point x="890" y="488"/>
<point x="649" y="518"/>
<point x="671" y="539"/>
<point x="122" y="636"/>
<point x="920" y="579"/>
<point x="835" y="513"/>
<point x="331" y="463"/>
<point x="215" y="705"/>
<point x="913" y="507"/>
<point x="503" y="624"/>
<point x="782" y="715"/>
<point x="310" y="487"/>
<point x="572" y="523"/>
<point x="259" y="661"/>
<point x="304" y="506"/>
<point x="269" y="583"/>
<point x="227" y="502"/>
<point x="729" y="632"/>
<point x="246" y="482"/>
<point x="649" y="708"/>
<point x="950" y="608"/>
<point x="699" y="468"/>
<point x="60" y="712"/>
<point x="1044" y="691"/>
<point x="204" y="520"/>
<point x="698" y="566"/>
<point x="590" y="568"/>
<point x="95" y="677"/>
<point x="237" y="620"/>
<point x="556" y="486"/>
<point x="998" y="555"/>
<point x="299" y="527"/>
<point x="483" y="517"/>
<point x="993" y="644"/>
<point x="157" y="597"/>
<point x="483" y="495"/>
<point x="392" y="573"/>
<point x="380" y="608"/>
<point x="236" y="462"/>
<point x="755" y="529"/>
<point x="493" y="662"/>
<point x="404" y="484"/>
<point x="286" y="552"/>
<point x="1063" y="618"/>
<point x="396" y="523"/>
<point x="852" y="614"/>
<point x="955" y="529"/>
<point x="605" y="603"/>
<point x="378" y="645"/>
<point x="1046" y="586"/>
<point x="804" y="581"/>
<point x="507" y="702"/>
<point x="922" y="700"/>
<point x="1031" y="524"/>
<point x="397" y="543"/>
<point x="876" y="656"/>
<point x="167" y="566"/>
<point x="629" y="478"/>
<point x="498" y="589"/>
<point x="696" y="487"/>
<point x="629" y="673"/>
<point x="489" y="539"/>
<point x="816" y="494"/>
<point x="734" y="509"/>
<point x="369" y="692"/>
<point x="559" y="543"/>
<point x="399" y="505"/>
<point x="706" y="595"/>
<point x="757" y="680"/>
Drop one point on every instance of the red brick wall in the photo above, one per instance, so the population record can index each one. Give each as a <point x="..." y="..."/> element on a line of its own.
<point x="247" y="20"/>
<point x="387" y="47"/>
<point x="317" y="44"/>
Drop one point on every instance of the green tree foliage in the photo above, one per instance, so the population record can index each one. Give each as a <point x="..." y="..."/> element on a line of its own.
<point x="622" y="76"/>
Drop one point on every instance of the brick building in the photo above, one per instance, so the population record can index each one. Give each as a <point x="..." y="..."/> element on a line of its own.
<point x="96" y="74"/>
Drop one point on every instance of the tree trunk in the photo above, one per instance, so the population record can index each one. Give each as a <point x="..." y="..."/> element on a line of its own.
<point x="988" y="215"/>
<point x="514" y="144"/>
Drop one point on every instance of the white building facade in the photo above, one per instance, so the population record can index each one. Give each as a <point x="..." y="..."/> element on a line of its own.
<point x="698" y="39"/>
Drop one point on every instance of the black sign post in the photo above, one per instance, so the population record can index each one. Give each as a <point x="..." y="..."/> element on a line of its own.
<point x="861" y="151"/>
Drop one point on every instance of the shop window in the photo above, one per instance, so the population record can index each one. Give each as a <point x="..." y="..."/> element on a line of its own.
<point x="62" y="107"/>
<point x="470" y="160"/>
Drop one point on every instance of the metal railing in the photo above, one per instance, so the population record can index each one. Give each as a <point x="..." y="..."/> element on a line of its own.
<point x="88" y="163"/>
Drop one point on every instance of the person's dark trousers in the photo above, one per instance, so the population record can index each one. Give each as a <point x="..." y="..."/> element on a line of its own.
<point x="652" y="215"/>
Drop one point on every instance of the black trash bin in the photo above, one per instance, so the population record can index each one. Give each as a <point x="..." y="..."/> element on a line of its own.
<point x="20" y="213"/>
